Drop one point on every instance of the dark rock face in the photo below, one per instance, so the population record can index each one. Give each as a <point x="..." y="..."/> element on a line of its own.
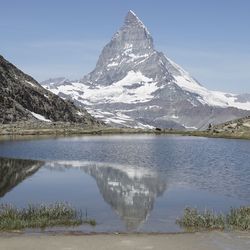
<point x="135" y="85"/>
<point x="20" y="95"/>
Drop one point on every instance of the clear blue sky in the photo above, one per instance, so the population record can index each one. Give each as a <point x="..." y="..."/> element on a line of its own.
<point x="49" y="38"/>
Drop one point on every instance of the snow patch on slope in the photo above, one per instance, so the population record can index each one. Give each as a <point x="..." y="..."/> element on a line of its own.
<point x="117" y="118"/>
<point x="31" y="84"/>
<point x="114" y="93"/>
<point x="40" y="117"/>
<point x="209" y="97"/>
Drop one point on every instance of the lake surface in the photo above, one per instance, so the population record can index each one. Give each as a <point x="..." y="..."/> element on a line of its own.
<point x="127" y="183"/>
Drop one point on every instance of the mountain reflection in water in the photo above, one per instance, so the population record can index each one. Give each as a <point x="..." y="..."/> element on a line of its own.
<point x="14" y="171"/>
<point x="130" y="191"/>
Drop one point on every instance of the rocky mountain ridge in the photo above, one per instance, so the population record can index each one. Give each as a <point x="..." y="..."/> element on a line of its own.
<point x="23" y="99"/>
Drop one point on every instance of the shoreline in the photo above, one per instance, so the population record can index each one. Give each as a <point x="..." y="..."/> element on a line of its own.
<point x="20" y="233"/>
<point x="189" y="241"/>
<point x="82" y="233"/>
<point x="12" y="131"/>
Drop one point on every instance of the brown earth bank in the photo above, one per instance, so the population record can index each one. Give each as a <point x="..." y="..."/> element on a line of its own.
<point x="188" y="241"/>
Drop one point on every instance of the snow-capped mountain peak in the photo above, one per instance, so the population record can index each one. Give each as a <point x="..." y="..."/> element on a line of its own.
<point x="135" y="85"/>
<point x="133" y="19"/>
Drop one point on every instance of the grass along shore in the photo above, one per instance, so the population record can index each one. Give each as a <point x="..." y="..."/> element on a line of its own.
<point x="236" y="219"/>
<point x="40" y="216"/>
<point x="62" y="214"/>
<point x="68" y="129"/>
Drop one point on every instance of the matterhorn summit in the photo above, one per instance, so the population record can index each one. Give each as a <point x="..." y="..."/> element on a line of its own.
<point x="133" y="85"/>
<point x="130" y="45"/>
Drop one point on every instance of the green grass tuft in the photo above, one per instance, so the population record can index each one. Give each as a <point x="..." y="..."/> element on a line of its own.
<point x="236" y="219"/>
<point x="40" y="216"/>
<point x="239" y="218"/>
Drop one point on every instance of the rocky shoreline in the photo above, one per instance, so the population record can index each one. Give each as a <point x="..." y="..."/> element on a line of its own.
<point x="66" y="129"/>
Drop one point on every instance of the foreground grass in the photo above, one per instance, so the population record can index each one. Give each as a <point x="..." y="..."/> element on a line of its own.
<point x="236" y="219"/>
<point x="40" y="216"/>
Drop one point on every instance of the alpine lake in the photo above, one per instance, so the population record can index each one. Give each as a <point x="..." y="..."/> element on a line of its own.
<point x="127" y="183"/>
